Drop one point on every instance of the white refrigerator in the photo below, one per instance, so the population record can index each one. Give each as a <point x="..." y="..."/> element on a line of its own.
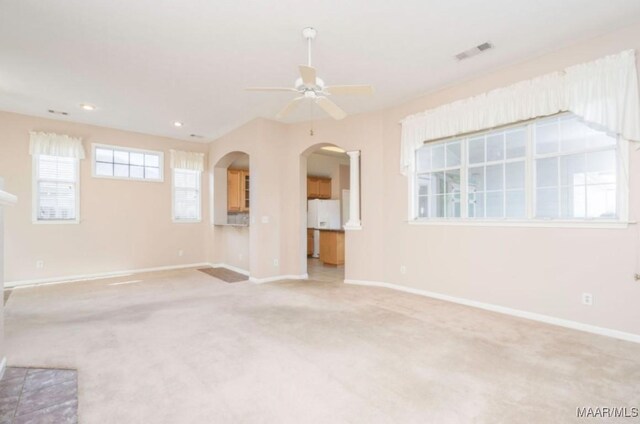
<point x="322" y="214"/>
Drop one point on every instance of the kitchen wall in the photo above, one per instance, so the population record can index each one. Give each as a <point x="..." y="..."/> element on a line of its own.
<point x="124" y="225"/>
<point x="323" y="165"/>
<point x="536" y="270"/>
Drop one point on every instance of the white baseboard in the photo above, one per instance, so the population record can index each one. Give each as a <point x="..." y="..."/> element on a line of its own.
<point x="508" y="311"/>
<point x="83" y="277"/>
<point x="278" y="278"/>
<point x="230" y="267"/>
<point x="3" y="366"/>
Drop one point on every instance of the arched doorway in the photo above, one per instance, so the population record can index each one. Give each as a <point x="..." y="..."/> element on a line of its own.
<point x="324" y="210"/>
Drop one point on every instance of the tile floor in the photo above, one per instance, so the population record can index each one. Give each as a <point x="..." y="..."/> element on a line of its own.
<point x="326" y="273"/>
<point x="38" y="395"/>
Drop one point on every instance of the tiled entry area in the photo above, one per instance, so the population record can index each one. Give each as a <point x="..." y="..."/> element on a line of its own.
<point x="327" y="273"/>
<point x="38" y="396"/>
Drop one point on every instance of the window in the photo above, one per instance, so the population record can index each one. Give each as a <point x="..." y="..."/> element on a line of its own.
<point x="55" y="189"/>
<point x="132" y="164"/>
<point x="554" y="168"/>
<point x="186" y="195"/>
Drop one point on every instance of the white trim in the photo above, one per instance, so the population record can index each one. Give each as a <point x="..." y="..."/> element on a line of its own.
<point x="96" y="276"/>
<point x="351" y="227"/>
<point x="7" y="199"/>
<point x="231" y="268"/>
<point x="3" y="366"/>
<point x="278" y="278"/>
<point x="128" y="150"/>
<point x="507" y="311"/>
<point x="540" y="223"/>
<point x="35" y="201"/>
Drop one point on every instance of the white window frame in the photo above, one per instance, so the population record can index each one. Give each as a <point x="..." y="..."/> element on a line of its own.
<point x="35" y="201"/>
<point x="159" y="153"/>
<point x="622" y="187"/>
<point x="173" y="200"/>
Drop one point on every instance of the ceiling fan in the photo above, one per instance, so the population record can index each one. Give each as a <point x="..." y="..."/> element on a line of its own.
<point x="309" y="86"/>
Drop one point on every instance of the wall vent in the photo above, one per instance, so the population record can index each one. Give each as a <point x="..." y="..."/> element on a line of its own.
<point x="474" y="51"/>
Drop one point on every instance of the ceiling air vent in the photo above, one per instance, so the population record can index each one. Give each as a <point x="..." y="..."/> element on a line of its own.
<point x="57" y="112"/>
<point x="474" y="51"/>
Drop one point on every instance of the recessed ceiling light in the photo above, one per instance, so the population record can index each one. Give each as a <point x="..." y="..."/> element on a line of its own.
<point x="57" y="112"/>
<point x="178" y="124"/>
<point x="87" y="106"/>
<point x="333" y="149"/>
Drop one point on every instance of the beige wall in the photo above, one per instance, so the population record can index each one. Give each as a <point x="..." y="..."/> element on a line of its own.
<point x="537" y="270"/>
<point x="124" y="225"/>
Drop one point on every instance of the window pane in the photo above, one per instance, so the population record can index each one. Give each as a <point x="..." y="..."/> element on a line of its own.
<point x="136" y="172"/>
<point x="547" y="202"/>
<point x="601" y="167"/>
<point x="495" y="178"/>
<point x="572" y="134"/>
<point x="514" y="175"/>
<point x="516" y="143"/>
<point x="56" y="201"/>
<point x="453" y="154"/>
<point x="120" y="170"/>
<point x="601" y="201"/>
<point x="572" y="169"/>
<point x="494" y="204"/>
<point x="136" y="158"/>
<point x="423" y="159"/>
<point x="495" y="147"/>
<point x="476" y="179"/>
<point x="476" y="150"/>
<point x="547" y="172"/>
<point x="423" y="184"/>
<point x="437" y="206"/>
<point x="152" y="160"/>
<point x="546" y="137"/>
<point x="437" y="156"/>
<point x="515" y="204"/>
<point x="453" y="181"/>
<point x="104" y="155"/>
<point x="423" y="206"/>
<point x="56" y="168"/>
<point x="151" y="173"/>
<point x="598" y="138"/>
<point x="573" y="202"/>
<point x="120" y="157"/>
<point x="104" y="169"/>
<point x="476" y="204"/>
<point x="453" y="205"/>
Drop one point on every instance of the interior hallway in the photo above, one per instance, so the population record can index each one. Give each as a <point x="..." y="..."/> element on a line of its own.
<point x="182" y="346"/>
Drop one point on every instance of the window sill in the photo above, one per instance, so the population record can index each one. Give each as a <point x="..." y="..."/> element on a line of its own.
<point x="524" y="223"/>
<point x="56" y="221"/>
<point x="142" y="180"/>
<point x="187" y="221"/>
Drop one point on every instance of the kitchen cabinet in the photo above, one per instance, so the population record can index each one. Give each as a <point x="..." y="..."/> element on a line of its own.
<point x="309" y="241"/>
<point x="318" y="188"/>
<point x="238" y="190"/>
<point x="332" y="247"/>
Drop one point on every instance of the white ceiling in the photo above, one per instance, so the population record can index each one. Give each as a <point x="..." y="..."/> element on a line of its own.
<point x="147" y="63"/>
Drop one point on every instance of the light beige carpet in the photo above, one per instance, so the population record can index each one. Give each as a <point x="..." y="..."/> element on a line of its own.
<point x="180" y="347"/>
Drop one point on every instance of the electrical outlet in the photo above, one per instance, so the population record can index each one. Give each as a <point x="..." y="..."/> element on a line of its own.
<point x="587" y="299"/>
<point x="39" y="264"/>
<point x="276" y="262"/>
<point x="403" y="269"/>
<point x="180" y="252"/>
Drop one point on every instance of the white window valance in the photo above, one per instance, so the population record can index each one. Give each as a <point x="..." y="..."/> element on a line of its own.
<point x="55" y="145"/>
<point x="603" y="93"/>
<point x="187" y="160"/>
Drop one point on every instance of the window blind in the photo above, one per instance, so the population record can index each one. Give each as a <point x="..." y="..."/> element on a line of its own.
<point x="186" y="195"/>
<point x="56" y="188"/>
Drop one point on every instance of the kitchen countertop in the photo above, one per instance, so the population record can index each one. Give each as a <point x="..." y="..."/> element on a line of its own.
<point x="331" y="230"/>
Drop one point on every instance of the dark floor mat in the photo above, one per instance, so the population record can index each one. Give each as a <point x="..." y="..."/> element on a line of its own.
<point x="225" y="274"/>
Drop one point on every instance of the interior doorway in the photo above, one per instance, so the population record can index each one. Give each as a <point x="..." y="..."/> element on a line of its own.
<point x="326" y="211"/>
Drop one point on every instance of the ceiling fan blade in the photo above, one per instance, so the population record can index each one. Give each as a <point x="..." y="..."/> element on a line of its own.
<point x="270" y="89"/>
<point x="331" y="108"/>
<point x="365" y="90"/>
<point x="308" y="74"/>
<point x="289" y="107"/>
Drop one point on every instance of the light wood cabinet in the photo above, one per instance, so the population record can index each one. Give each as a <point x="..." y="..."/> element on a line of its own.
<point x="238" y="190"/>
<point x="309" y="242"/>
<point x="318" y="188"/>
<point x="332" y="247"/>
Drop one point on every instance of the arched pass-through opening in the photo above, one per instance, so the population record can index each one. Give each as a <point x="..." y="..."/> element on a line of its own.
<point x="325" y="183"/>
<point x="231" y="182"/>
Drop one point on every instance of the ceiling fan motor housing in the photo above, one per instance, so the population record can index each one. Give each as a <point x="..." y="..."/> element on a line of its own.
<point x="302" y="87"/>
